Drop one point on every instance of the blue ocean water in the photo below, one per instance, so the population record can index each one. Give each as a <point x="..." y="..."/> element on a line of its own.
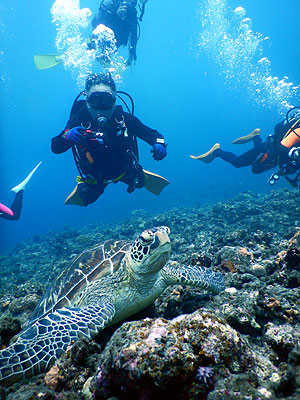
<point x="205" y="73"/>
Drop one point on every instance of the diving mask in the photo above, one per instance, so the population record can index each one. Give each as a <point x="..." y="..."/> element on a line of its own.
<point x="124" y="7"/>
<point x="101" y="100"/>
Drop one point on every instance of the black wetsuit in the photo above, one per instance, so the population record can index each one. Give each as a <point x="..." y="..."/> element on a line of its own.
<point x="125" y="30"/>
<point x="264" y="155"/>
<point x="16" y="208"/>
<point x="115" y="158"/>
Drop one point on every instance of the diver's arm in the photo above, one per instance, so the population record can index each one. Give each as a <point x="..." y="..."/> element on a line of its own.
<point x="138" y="129"/>
<point x="59" y="144"/>
<point x="133" y="40"/>
<point x="106" y="9"/>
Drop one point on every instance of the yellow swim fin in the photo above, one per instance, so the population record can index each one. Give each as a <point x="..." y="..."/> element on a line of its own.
<point x="74" y="198"/>
<point x="47" y="60"/>
<point x="154" y="183"/>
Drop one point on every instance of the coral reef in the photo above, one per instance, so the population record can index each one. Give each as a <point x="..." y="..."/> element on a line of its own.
<point x="246" y="340"/>
<point x="149" y="358"/>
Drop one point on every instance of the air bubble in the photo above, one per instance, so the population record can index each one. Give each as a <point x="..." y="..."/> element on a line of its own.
<point x="71" y="25"/>
<point x="231" y="44"/>
<point x="240" y="11"/>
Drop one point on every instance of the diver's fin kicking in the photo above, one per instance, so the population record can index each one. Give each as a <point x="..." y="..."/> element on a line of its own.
<point x="208" y="156"/>
<point x="22" y="185"/>
<point x="154" y="183"/>
<point x="47" y="60"/>
<point x="74" y="198"/>
<point x="247" y="138"/>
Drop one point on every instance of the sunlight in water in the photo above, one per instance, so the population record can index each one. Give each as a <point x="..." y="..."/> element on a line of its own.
<point x="227" y="39"/>
<point x="5" y="10"/>
<point x="72" y="41"/>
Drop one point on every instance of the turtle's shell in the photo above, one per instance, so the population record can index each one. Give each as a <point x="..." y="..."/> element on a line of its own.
<point x="89" y="266"/>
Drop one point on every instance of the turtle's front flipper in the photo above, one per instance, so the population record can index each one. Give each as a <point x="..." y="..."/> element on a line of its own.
<point x="44" y="341"/>
<point x="194" y="275"/>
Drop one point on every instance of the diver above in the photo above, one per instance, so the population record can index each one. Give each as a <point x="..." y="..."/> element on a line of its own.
<point x="103" y="140"/>
<point x="121" y="17"/>
<point x="280" y="150"/>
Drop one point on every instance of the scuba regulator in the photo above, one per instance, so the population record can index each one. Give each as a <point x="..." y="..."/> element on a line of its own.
<point x="94" y="140"/>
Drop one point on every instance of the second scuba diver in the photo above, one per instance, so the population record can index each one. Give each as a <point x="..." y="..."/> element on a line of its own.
<point x="279" y="150"/>
<point x="103" y="140"/>
<point x="121" y="17"/>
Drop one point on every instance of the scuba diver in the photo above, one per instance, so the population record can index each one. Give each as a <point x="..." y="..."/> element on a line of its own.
<point x="121" y="17"/>
<point x="14" y="212"/>
<point x="115" y="24"/>
<point x="280" y="150"/>
<point x="103" y="140"/>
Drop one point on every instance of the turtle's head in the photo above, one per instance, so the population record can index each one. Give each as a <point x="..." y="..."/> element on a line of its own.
<point x="151" y="250"/>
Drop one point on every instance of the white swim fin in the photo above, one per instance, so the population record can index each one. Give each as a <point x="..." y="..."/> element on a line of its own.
<point x="22" y="185"/>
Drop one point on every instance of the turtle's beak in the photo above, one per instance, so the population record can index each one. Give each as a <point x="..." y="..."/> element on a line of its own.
<point x="160" y="254"/>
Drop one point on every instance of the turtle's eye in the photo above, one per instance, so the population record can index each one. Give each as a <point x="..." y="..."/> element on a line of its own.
<point x="166" y="229"/>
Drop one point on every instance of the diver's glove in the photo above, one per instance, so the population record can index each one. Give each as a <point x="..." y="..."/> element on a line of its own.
<point x="294" y="153"/>
<point x="159" y="151"/>
<point x="75" y="135"/>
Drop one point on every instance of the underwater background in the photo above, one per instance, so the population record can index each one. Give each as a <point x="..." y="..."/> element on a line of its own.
<point x="203" y="75"/>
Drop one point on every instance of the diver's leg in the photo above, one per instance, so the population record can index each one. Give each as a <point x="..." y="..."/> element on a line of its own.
<point x="90" y="193"/>
<point x="283" y="153"/>
<point x="269" y="156"/>
<point x="135" y="179"/>
<point x="16" y="207"/>
<point x="243" y="160"/>
<point x="140" y="178"/>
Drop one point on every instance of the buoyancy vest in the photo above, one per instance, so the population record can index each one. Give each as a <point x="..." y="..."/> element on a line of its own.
<point x="107" y="153"/>
<point x="287" y="135"/>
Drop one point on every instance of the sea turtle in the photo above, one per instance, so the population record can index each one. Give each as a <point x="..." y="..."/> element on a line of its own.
<point x="102" y="286"/>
